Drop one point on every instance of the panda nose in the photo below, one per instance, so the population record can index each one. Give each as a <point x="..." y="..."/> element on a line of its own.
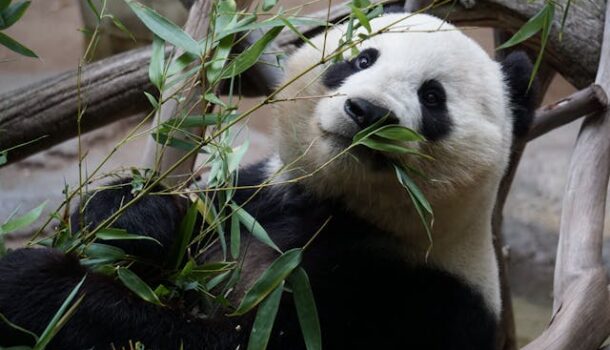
<point x="364" y="113"/>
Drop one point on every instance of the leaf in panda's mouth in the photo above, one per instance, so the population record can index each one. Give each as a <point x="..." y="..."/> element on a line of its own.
<point x="385" y="139"/>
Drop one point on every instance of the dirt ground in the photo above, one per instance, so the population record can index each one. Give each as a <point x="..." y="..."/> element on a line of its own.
<point x="51" y="29"/>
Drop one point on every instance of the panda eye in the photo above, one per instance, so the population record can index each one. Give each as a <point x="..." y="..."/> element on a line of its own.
<point x="363" y="62"/>
<point x="366" y="59"/>
<point x="431" y="98"/>
<point x="432" y="94"/>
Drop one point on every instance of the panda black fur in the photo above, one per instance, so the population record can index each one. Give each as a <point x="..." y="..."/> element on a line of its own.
<point x="372" y="283"/>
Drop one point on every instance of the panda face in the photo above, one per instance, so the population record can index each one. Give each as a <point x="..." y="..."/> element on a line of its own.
<point x="420" y="73"/>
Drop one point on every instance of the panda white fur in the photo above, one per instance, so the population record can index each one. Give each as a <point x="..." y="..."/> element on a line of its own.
<point x="373" y="285"/>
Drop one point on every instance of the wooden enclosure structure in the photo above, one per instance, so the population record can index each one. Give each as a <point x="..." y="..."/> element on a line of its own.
<point x="112" y="89"/>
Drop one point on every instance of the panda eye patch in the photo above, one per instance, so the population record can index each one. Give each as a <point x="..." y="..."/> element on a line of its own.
<point x="365" y="59"/>
<point x="337" y="73"/>
<point x="436" y="122"/>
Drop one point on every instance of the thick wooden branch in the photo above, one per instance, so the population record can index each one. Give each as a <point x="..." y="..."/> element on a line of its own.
<point x="581" y="307"/>
<point x="111" y="89"/>
<point x="593" y="99"/>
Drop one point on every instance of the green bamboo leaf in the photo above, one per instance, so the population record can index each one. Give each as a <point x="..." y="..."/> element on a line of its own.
<point x="157" y="61"/>
<point x="529" y="29"/>
<point x="193" y="121"/>
<point x="398" y="133"/>
<point x="244" y="26"/>
<point x="306" y="308"/>
<point x="251" y="55"/>
<point x="265" y="318"/>
<point x="268" y="4"/>
<point x="104" y="251"/>
<point x="408" y="183"/>
<point x="3" y="158"/>
<point x="275" y="274"/>
<point x="382" y="146"/>
<point x="60" y="317"/>
<point x="5" y="320"/>
<point x="236" y="155"/>
<point x="13" y="13"/>
<point x="235" y="236"/>
<point x="546" y="33"/>
<point x="164" y="28"/>
<point x="210" y="97"/>
<point x="253" y="227"/>
<point x="4" y="4"/>
<point x="136" y="285"/>
<point x="185" y="234"/>
<point x="20" y="222"/>
<point x="297" y="32"/>
<point x="94" y="9"/>
<point x="180" y="63"/>
<point x="107" y="234"/>
<point x="117" y="23"/>
<point x="152" y="100"/>
<point x="219" y="60"/>
<point x="15" y="46"/>
<point x="361" y="3"/>
<point x="163" y="137"/>
<point x="364" y="21"/>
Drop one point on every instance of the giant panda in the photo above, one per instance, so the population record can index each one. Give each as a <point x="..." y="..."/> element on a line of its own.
<point x="378" y="284"/>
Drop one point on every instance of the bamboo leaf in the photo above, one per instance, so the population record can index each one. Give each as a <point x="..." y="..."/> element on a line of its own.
<point x="13" y="13"/>
<point x="235" y="236"/>
<point x="265" y="318"/>
<point x="382" y="146"/>
<point x="157" y="61"/>
<point x="408" y="183"/>
<point x="268" y="4"/>
<point x="3" y="158"/>
<point x="4" y="4"/>
<point x="253" y="227"/>
<point x="297" y="32"/>
<point x="251" y="55"/>
<point x="104" y="251"/>
<point x="306" y="308"/>
<point x="121" y="235"/>
<point x="219" y="60"/>
<point x="546" y="33"/>
<point x="15" y="46"/>
<point x="136" y="285"/>
<point x="55" y="325"/>
<point x="22" y="221"/>
<point x="275" y="274"/>
<point x="185" y="234"/>
<point x="164" y="28"/>
<point x="529" y="29"/>
<point x="5" y="320"/>
<point x="398" y="133"/>
<point x="364" y="21"/>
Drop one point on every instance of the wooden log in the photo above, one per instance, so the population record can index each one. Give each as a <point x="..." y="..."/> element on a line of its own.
<point x="111" y="89"/>
<point x="581" y="318"/>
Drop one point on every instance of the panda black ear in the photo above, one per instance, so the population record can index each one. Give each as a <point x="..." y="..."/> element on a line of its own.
<point x="517" y="69"/>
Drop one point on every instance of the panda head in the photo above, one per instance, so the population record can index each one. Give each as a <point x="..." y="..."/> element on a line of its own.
<point x="421" y="73"/>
